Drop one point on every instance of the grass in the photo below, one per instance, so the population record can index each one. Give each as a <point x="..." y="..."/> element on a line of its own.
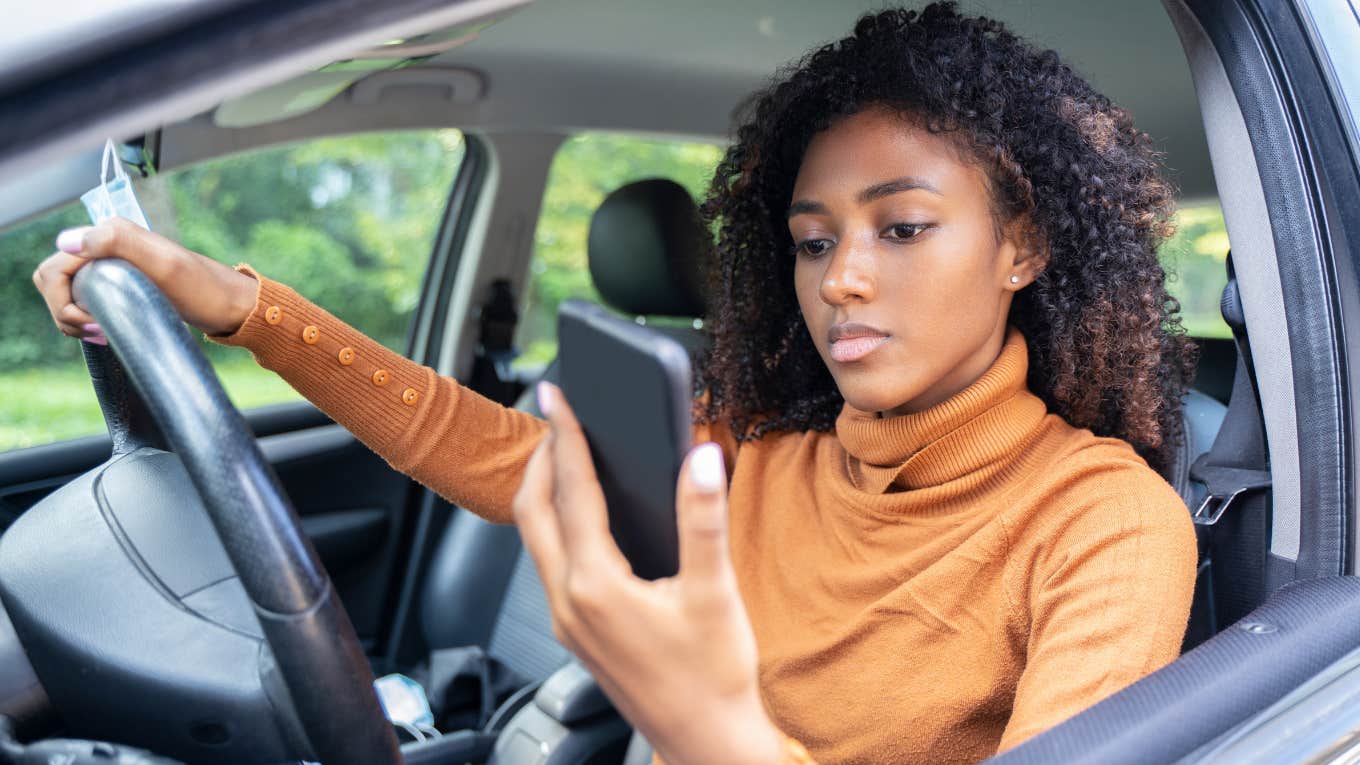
<point x="40" y="406"/>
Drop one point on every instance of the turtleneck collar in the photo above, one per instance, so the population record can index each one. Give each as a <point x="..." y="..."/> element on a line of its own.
<point x="959" y="436"/>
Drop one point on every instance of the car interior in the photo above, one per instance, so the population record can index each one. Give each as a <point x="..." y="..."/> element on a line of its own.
<point x="129" y="617"/>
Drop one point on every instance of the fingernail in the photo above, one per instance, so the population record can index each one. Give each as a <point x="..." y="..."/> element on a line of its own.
<point x="93" y="329"/>
<point x="72" y="240"/>
<point x="706" y="469"/>
<point x="544" y="397"/>
<point x="95" y="340"/>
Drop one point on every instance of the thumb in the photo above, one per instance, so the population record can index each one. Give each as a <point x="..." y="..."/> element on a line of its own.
<point x="701" y="515"/>
<point x="119" y="238"/>
<point x="72" y="240"/>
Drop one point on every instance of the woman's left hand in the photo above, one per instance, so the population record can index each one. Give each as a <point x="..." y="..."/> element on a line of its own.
<point x="677" y="656"/>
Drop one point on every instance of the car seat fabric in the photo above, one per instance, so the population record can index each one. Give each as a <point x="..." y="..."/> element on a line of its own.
<point x="1203" y="416"/>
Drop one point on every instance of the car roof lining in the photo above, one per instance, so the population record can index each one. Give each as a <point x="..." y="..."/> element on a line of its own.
<point x="596" y="65"/>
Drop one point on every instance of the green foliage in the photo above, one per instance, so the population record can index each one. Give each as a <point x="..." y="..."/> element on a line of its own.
<point x="349" y="222"/>
<point x="26" y="332"/>
<point x="1194" y="259"/>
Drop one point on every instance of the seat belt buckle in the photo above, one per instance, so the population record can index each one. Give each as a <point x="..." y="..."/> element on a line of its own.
<point x="1224" y="485"/>
<point x="1212" y="508"/>
<point x="1215" y="505"/>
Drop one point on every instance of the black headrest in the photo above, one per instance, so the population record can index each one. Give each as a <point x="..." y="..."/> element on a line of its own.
<point x="649" y="251"/>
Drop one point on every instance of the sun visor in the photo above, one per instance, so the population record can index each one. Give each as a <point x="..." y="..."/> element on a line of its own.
<point x="311" y="91"/>
<point x="399" y="63"/>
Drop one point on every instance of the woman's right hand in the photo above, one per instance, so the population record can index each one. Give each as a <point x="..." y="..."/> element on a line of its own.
<point x="209" y="295"/>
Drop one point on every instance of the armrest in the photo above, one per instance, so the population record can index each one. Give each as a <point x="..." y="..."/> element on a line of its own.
<point x="570" y="722"/>
<point x="571" y="695"/>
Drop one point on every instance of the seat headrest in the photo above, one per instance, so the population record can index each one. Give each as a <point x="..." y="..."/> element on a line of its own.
<point x="649" y="251"/>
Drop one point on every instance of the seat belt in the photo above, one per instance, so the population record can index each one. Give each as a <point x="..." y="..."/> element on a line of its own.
<point x="1238" y="462"/>
<point x="1236" y="473"/>
<point x="491" y="375"/>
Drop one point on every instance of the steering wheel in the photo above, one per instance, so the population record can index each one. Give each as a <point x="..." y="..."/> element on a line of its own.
<point x="175" y="394"/>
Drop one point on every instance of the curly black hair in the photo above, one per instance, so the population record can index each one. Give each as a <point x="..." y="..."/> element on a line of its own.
<point x="1107" y="349"/>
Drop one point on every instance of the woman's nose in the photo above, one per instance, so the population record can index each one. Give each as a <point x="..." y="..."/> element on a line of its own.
<point x="849" y="275"/>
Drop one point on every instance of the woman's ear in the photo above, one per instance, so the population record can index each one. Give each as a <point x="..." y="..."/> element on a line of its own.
<point x="1028" y="252"/>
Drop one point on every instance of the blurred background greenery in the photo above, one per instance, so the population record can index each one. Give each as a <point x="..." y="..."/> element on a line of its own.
<point x="349" y="222"/>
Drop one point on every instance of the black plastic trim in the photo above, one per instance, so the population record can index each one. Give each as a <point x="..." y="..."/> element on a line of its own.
<point x="436" y="290"/>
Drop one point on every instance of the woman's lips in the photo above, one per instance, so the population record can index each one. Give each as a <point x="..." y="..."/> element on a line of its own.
<point x="855" y="348"/>
<point x="852" y="342"/>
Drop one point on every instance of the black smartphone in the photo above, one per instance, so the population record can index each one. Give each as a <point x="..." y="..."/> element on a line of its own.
<point x="630" y="387"/>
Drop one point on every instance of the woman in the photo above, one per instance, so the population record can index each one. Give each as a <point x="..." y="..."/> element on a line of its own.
<point x="944" y="367"/>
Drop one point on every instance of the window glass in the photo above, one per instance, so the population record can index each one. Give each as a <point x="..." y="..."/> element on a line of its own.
<point x="348" y="222"/>
<point x="585" y="170"/>
<point x="1194" y="259"/>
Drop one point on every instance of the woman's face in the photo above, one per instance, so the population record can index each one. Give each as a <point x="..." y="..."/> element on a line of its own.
<point x="901" y="277"/>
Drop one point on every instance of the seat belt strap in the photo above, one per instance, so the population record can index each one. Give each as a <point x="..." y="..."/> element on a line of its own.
<point x="1238" y="463"/>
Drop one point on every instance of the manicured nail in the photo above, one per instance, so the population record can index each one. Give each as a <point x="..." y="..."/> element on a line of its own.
<point x="95" y="340"/>
<point x="706" y="469"/>
<point x="72" y="240"/>
<point x="544" y="398"/>
<point x="93" y="329"/>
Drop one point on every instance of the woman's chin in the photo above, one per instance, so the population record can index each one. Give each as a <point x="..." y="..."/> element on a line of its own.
<point x="866" y="399"/>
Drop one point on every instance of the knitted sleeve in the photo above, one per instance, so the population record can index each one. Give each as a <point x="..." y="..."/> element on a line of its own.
<point x="1109" y="597"/>
<point x="464" y="446"/>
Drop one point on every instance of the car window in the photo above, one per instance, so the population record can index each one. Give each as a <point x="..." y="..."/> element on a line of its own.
<point x="584" y="171"/>
<point x="1194" y="258"/>
<point x="349" y="222"/>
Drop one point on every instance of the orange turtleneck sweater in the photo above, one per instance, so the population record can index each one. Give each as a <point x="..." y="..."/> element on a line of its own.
<point x="925" y="588"/>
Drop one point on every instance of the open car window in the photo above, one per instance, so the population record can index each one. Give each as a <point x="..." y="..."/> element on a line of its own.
<point x="349" y="222"/>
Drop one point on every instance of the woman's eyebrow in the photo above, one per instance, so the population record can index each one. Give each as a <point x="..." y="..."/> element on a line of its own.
<point x="806" y="207"/>
<point x="876" y="191"/>
<point x="896" y="186"/>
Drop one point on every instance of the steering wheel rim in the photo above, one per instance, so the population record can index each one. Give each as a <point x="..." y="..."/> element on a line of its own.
<point x="313" y="642"/>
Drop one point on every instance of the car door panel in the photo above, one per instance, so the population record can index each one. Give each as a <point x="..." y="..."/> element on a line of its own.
<point x="352" y="503"/>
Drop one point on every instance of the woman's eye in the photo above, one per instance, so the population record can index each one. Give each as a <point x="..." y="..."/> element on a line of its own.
<point x="812" y="247"/>
<point x="904" y="231"/>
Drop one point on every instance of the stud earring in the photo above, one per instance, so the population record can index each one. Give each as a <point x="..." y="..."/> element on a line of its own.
<point x="1015" y="279"/>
